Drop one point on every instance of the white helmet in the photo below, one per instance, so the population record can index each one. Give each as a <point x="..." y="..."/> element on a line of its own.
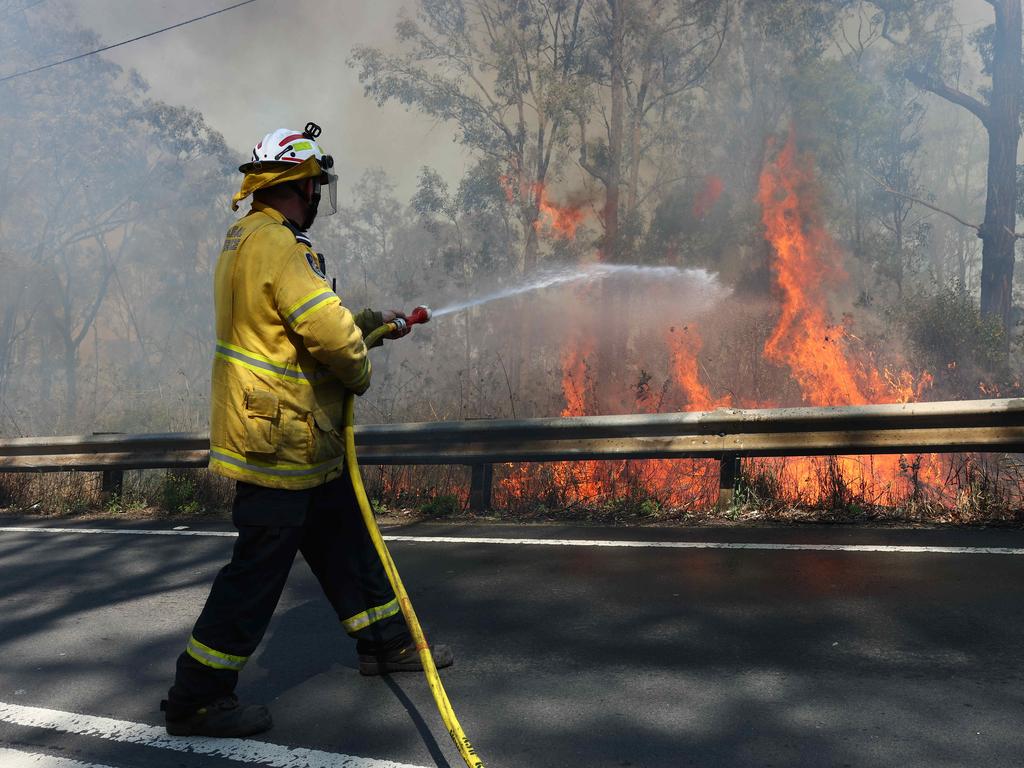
<point x="286" y="147"/>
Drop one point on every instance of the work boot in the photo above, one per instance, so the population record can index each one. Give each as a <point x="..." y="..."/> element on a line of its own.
<point x="403" y="659"/>
<point x="223" y="717"/>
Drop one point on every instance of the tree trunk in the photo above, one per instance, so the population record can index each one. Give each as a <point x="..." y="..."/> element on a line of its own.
<point x="1001" y="118"/>
<point x="897" y="224"/>
<point x="963" y="255"/>
<point x="633" y="194"/>
<point x="531" y="249"/>
<point x="858" y="205"/>
<point x="997" y="231"/>
<point x="70" y="383"/>
<point x="616" y="134"/>
<point x="612" y="353"/>
<point x="7" y="337"/>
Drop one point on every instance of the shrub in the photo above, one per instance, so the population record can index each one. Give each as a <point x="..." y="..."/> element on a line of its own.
<point x="178" y="493"/>
<point x="125" y="504"/>
<point x="949" y="336"/>
<point x="649" y="508"/>
<point x="442" y="505"/>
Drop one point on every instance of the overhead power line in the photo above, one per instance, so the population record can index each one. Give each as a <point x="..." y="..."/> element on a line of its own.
<point x="123" y="42"/>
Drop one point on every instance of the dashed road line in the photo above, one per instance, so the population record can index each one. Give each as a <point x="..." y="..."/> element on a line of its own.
<point x="751" y="545"/>
<point x="245" y="751"/>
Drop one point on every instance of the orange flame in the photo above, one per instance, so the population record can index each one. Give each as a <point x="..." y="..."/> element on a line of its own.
<point x="561" y="220"/>
<point x="807" y="266"/>
<point x="820" y="355"/>
<point x="582" y="480"/>
<point x="685" y="345"/>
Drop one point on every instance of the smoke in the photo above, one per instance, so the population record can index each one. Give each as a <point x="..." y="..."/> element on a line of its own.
<point x="263" y="67"/>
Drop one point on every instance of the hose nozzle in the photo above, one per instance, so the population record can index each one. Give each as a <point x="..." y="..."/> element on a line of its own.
<point x="418" y="316"/>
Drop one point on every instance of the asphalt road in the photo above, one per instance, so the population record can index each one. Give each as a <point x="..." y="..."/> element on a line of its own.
<point x="565" y="655"/>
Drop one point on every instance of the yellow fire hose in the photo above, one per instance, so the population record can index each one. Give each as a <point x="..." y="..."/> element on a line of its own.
<point x="444" y="706"/>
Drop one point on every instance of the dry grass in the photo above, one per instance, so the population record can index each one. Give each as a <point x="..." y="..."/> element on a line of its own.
<point x="972" y="489"/>
<point x="152" y="493"/>
<point x="975" y="489"/>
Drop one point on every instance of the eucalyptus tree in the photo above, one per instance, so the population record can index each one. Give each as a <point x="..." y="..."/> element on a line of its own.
<point x="931" y="45"/>
<point x="647" y="58"/>
<point x="507" y="74"/>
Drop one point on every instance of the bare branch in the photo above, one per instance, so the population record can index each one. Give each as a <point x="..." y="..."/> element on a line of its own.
<point x="593" y="170"/>
<point x="923" y="81"/>
<point x="885" y="30"/>
<point x="886" y="188"/>
<point x="656" y="187"/>
<point x="511" y="398"/>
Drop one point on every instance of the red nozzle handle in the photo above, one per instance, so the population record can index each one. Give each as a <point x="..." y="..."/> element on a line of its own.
<point x="418" y="316"/>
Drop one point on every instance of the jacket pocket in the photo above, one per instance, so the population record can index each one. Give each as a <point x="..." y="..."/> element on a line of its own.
<point x="328" y="440"/>
<point x="262" y="421"/>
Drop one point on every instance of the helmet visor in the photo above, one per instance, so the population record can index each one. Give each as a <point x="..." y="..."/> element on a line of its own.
<point x="329" y="180"/>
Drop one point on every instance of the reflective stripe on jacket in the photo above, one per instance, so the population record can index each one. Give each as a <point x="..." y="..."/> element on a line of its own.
<point x="287" y="351"/>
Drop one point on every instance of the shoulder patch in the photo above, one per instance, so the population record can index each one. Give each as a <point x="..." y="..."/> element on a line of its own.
<point x="314" y="264"/>
<point x="233" y="238"/>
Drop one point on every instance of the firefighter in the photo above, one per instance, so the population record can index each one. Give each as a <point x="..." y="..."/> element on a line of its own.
<point x="287" y="351"/>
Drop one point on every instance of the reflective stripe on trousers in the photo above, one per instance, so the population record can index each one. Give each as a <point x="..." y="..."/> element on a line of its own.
<point x="210" y="657"/>
<point x="367" y="617"/>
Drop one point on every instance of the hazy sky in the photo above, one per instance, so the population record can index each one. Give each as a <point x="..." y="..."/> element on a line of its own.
<point x="277" y="64"/>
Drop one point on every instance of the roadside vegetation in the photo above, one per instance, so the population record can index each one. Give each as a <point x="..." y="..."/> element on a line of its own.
<point x="980" y="490"/>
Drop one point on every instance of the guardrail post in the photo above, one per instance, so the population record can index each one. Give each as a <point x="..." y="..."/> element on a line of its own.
<point x="728" y="473"/>
<point x="481" y="486"/>
<point x="111" y="482"/>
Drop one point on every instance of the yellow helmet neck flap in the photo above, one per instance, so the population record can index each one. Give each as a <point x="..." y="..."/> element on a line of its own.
<point x="265" y="175"/>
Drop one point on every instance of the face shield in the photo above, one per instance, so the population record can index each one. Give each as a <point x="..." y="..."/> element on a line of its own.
<point x="329" y="180"/>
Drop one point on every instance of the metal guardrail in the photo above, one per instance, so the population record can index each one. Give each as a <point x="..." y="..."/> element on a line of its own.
<point x="726" y="435"/>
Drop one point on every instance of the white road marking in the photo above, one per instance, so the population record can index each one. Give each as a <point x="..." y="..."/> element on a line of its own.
<point x="241" y="750"/>
<point x="764" y="546"/>
<point x="13" y="758"/>
<point x="125" y="531"/>
<point x="718" y="545"/>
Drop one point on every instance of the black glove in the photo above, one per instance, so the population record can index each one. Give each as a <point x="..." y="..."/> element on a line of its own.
<point x="396" y="316"/>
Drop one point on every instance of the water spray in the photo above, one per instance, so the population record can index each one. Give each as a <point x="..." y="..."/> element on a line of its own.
<point x="587" y="273"/>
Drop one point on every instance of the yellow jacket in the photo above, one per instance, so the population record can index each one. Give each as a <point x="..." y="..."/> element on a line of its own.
<point x="287" y="351"/>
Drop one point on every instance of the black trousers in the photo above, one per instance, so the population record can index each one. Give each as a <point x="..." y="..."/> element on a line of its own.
<point x="325" y="525"/>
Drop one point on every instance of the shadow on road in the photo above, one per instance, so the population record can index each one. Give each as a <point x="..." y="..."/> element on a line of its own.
<point x="642" y="658"/>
